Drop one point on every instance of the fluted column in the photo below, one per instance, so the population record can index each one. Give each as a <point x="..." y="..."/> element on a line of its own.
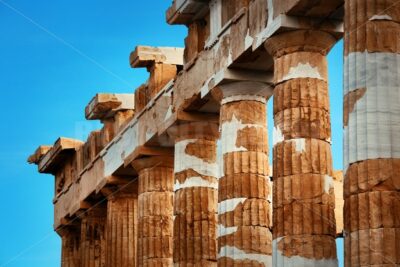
<point x="92" y="248"/>
<point x="70" y="237"/>
<point x="196" y="185"/>
<point x="244" y="197"/>
<point x="372" y="133"/>
<point x="121" y="229"/>
<point x="304" y="226"/>
<point x="155" y="211"/>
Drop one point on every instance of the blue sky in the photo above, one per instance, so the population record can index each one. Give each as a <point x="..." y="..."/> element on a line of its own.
<point x="55" y="56"/>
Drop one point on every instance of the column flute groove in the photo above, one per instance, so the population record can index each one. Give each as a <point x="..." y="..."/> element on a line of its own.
<point x="244" y="199"/>
<point x="92" y="248"/>
<point x="155" y="211"/>
<point x="371" y="120"/>
<point x="196" y="191"/>
<point x="121" y="229"/>
<point x="304" y="227"/>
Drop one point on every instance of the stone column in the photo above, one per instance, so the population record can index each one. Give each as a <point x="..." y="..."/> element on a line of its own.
<point x="372" y="133"/>
<point x="196" y="189"/>
<point x="70" y="237"/>
<point x="304" y="227"/>
<point x="155" y="211"/>
<point x="121" y="229"/>
<point x="244" y="199"/>
<point x="93" y="237"/>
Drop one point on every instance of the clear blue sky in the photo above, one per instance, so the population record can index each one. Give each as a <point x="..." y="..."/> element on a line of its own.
<point x="55" y="56"/>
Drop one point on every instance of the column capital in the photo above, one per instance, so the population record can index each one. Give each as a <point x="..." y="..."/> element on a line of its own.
<point x="97" y="211"/>
<point x="243" y="90"/>
<point x="69" y="230"/>
<point x="300" y="40"/>
<point x="192" y="130"/>
<point x="122" y="192"/>
<point x="153" y="161"/>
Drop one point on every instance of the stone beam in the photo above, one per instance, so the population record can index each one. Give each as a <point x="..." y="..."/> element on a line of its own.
<point x="146" y="56"/>
<point x="308" y="8"/>
<point x="55" y="156"/>
<point x="104" y="106"/>
<point x="283" y="23"/>
<point x="186" y="11"/>
<point x="38" y="155"/>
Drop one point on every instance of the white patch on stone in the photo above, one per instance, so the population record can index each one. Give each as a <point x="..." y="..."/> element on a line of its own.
<point x="270" y="11"/>
<point x="184" y="161"/>
<point x="381" y="17"/>
<point x="229" y="134"/>
<point x="237" y="254"/>
<point x="215" y="18"/>
<point x="229" y="205"/>
<point x="220" y="160"/>
<point x="373" y="128"/>
<point x="248" y="41"/>
<point x="223" y="231"/>
<point x="229" y="61"/>
<point x="300" y="144"/>
<point x="277" y="135"/>
<point x="195" y="182"/>
<point x="302" y="71"/>
<point x="169" y="113"/>
<point x="297" y="261"/>
<point x="270" y="190"/>
<point x="328" y="183"/>
<point x="272" y="26"/>
<point x="124" y="144"/>
<point x="206" y="88"/>
<point x="365" y="70"/>
<point x="149" y="135"/>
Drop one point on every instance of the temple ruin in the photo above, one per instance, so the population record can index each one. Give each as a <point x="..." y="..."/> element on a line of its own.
<point x="180" y="173"/>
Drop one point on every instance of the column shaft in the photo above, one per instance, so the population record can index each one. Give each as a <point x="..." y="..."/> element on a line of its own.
<point x="372" y="133"/>
<point x="121" y="230"/>
<point x="93" y="237"/>
<point x="304" y="226"/>
<point x="196" y="189"/>
<point x="70" y="247"/>
<point x="155" y="212"/>
<point x="244" y="235"/>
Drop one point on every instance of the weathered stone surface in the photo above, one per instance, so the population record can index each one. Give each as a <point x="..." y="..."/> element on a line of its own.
<point x="244" y="234"/>
<point x="371" y="139"/>
<point x="196" y="185"/>
<point x="93" y="246"/>
<point x="178" y="107"/>
<point x="70" y="254"/>
<point x="304" y="224"/>
<point x="121" y="230"/>
<point x="155" y="211"/>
